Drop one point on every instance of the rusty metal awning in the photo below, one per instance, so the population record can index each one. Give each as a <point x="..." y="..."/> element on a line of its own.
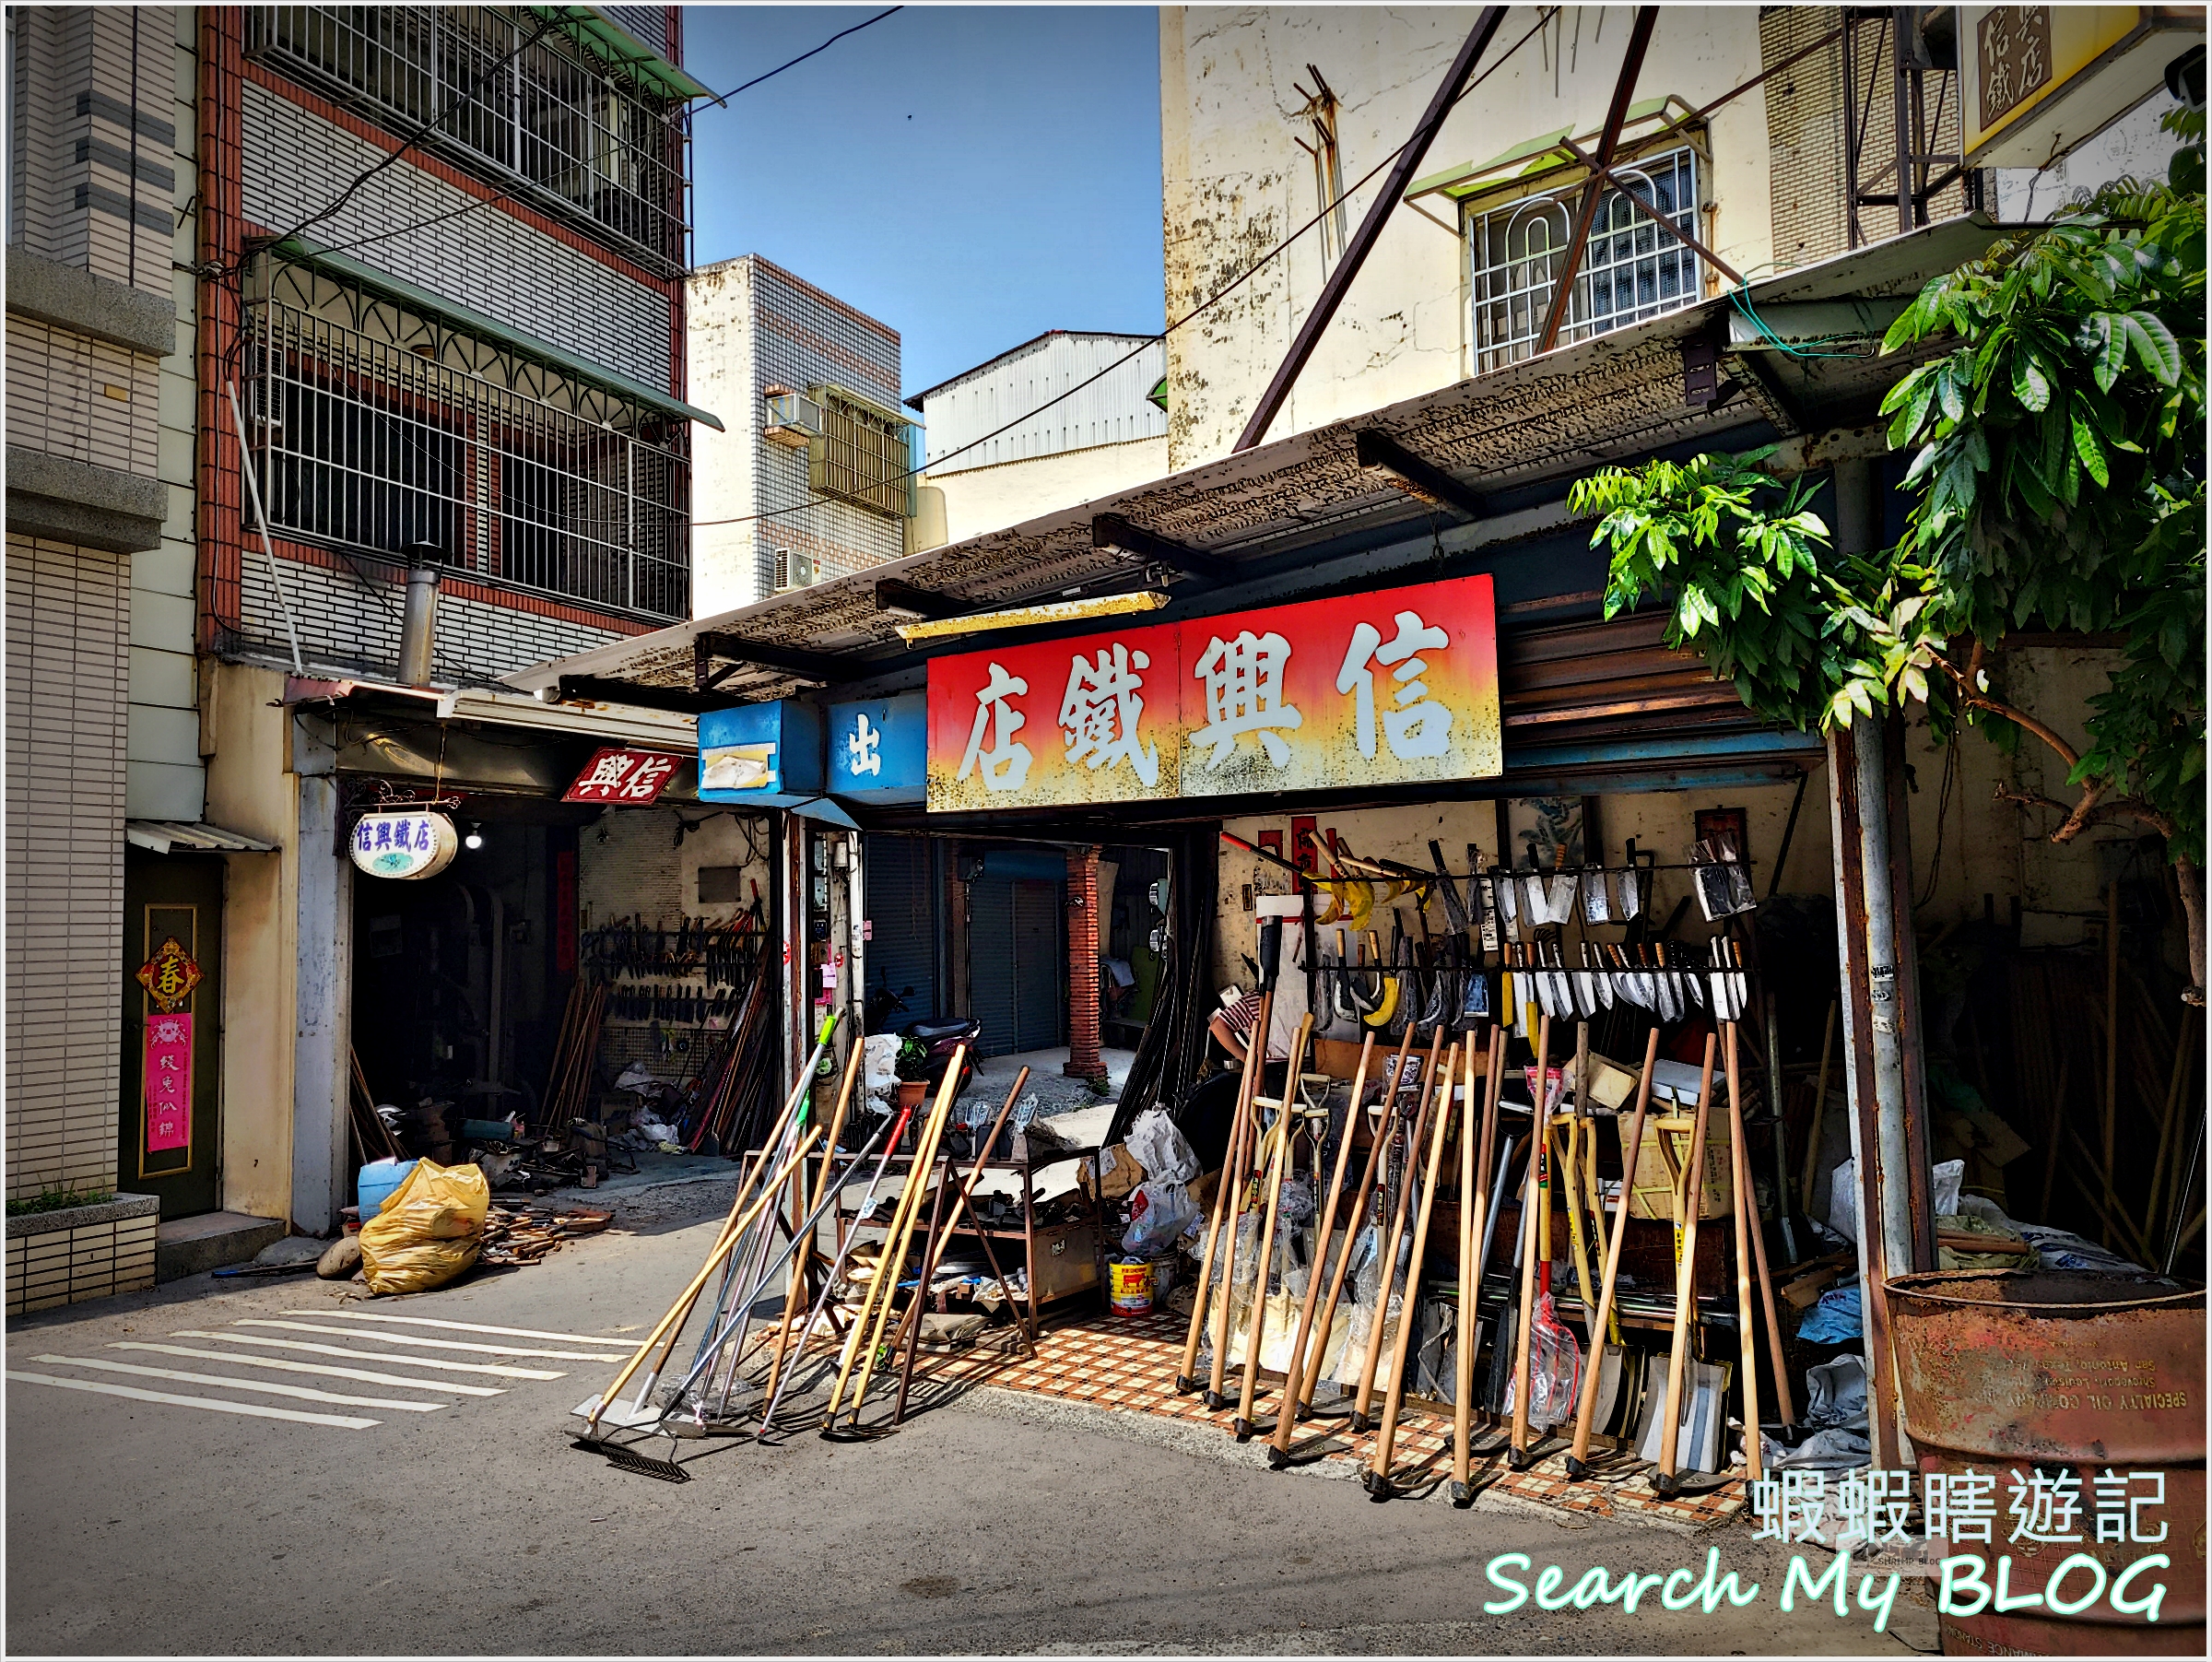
<point x="1517" y="433"/>
<point x="194" y="836"/>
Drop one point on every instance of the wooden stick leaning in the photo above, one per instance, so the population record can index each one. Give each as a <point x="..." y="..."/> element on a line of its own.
<point x="908" y="1334"/>
<point x="1296" y="1386"/>
<point x="1326" y="1321"/>
<point x="866" y="1330"/>
<point x="1248" y="1154"/>
<point x="1690" y="1187"/>
<point x="798" y="1283"/>
<point x="732" y="1234"/>
<point x="681" y="1310"/>
<point x="1473" y="1225"/>
<point x="1812" y="1141"/>
<point x="1371" y="1359"/>
<point x="1279" y="1168"/>
<point x="1185" y="1383"/>
<point x="1393" y="1395"/>
<point x="1538" y="1145"/>
<point x="1631" y="1147"/>
<point x="1784" y="1406"/>
<point x="1746" y="1320"/>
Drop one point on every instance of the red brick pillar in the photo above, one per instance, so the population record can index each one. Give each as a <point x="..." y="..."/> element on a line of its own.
<point x="1083" y="1060"/>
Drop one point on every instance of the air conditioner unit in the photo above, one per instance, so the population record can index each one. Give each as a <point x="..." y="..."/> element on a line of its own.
<point x="793" y="419"/>
<point x="794" y="569"/>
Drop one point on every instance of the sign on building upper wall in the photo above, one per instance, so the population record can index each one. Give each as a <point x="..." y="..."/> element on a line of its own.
<point x="2036" y="81"/>
<point x="1398" y="687"/>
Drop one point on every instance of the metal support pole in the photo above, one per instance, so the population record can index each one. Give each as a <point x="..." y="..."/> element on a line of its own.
<point x="1370" y="228"/>
<point x="1608" y="144"/>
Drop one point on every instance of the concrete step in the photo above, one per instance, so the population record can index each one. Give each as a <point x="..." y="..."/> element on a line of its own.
<point x="187" y="1246"/>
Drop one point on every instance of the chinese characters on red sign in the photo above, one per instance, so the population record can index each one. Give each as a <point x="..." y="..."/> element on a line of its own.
<point x="619" y="774"/>
<point x="168" y="1082"/>
<point x="1399" y="687"/>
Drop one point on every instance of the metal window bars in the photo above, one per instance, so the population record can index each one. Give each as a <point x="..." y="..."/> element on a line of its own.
<point x="374" y="430"/>
<point x="862" y="456"/>
<point x="1630" y="270"/>
<point x="583" y="138"/>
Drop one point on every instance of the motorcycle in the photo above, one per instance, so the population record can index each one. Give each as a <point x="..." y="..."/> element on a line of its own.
<point x="939" y="1036"/>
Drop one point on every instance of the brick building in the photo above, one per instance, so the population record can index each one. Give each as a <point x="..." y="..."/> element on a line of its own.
<point x="299" y="298"/>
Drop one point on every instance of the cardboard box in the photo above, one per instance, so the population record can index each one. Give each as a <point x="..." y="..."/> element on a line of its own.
<point x="1112" y="1173"/>
<point x="1654" y="1179"/>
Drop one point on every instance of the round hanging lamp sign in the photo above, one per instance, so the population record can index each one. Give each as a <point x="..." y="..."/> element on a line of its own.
<point x="404" y="843"/>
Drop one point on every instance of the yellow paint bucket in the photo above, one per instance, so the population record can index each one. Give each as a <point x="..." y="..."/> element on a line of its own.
<point x="1129" y="1284"/>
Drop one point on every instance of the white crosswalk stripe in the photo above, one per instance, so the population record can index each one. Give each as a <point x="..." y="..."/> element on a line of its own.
<point x="210" y="1404"/>
<point x="425" y="1321"/>
<point x="266" y="1387"/>
<point x="339" y="1351"/>
<point x="429" y="1344"/>
<point x="323" y="1369"/>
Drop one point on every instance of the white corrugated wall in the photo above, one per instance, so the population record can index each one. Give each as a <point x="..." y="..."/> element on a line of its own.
<point x="1113" y="411"/>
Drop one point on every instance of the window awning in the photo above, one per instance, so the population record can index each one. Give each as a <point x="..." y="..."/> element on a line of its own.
<point x="169" y="836"/>
<point x="474" y="323"/>
<point x="611" y="40"/>
<point x="1651" y="120"/>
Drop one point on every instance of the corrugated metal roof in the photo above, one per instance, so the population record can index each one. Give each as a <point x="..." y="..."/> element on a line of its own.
<point x="167" y="836"/>
<point x="1615" y="397"/>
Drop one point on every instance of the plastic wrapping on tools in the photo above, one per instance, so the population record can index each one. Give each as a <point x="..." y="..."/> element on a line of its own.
<point x="1285" y="1284"/>
<point x="1555" y="1369"/>
<point x="428" y="1232"/>
<point x="1435" y="1353"/>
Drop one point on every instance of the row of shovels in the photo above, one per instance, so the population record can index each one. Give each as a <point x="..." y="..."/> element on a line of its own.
<point x="1458" y="1085"/>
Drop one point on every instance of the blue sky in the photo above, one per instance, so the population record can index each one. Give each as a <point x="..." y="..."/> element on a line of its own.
<point x="971" y="175"/>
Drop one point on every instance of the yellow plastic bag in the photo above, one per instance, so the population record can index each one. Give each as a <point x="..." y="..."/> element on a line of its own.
<point x="430" y="1229"/>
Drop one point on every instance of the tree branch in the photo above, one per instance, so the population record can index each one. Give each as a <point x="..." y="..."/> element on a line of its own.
<point x="1968" y="682"/>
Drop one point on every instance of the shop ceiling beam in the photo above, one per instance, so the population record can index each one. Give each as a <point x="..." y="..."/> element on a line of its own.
<point x="1111" y="531"/>
<point x="892" y="595"/>
<point x="1402" y="175"/>
<point x="1608" y="146"/>
<point x="1423" y="479"/>
<point x="599" y="690"/>
<point x="753" y="655"/>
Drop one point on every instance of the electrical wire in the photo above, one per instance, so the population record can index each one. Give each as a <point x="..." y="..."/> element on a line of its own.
<point x="507" y="193"/>
<point x="1205" y="305"/>
<point x="722" y="102"/>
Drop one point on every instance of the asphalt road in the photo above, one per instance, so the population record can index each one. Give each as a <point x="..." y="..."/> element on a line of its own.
<point x="992" y="1523"/>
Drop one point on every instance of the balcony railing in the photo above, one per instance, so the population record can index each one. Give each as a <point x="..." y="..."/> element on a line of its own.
<point x="576" y="135"/>
<point x="378" y="445"/>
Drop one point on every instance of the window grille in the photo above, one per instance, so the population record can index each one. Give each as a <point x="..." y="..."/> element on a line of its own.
<point x="584" y="139"/>
<point x="1630" y="270"/>
<point x="374" y="430"/>
<point x="862" y="456"/>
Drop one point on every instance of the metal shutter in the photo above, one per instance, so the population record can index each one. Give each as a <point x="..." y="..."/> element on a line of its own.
<point x="903" y="926"/>
<point x="991" y="969"/>
<point x="1040" y="962"/>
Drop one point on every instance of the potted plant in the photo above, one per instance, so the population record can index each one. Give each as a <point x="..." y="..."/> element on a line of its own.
<point x="913" y="1068"/>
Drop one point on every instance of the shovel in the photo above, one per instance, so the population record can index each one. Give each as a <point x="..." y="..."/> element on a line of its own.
<point x="1390" y="1249"/>
<point x="1378" y="1475"/>
<point x="1286" y="1118"/>
<point x="1478" y="1210"/>
<point x="1586" y="1412"/>
<point x="1255" y="1062"/>
<point x="1691" y="1189"/>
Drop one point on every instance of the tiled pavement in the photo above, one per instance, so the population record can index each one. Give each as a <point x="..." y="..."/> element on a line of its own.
<point x="1129" y="1366"/>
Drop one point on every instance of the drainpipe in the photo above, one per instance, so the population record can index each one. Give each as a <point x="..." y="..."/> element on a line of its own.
<point x="418" y="628"/>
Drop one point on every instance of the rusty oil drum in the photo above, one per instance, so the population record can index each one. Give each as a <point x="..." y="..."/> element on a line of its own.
<point x="2063" y="1369"/>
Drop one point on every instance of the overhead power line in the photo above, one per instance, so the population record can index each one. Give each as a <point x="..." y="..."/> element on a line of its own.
<point x="825" y="46"/>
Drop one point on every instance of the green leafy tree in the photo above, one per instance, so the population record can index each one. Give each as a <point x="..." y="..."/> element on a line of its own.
<point x="2057" y="472"/>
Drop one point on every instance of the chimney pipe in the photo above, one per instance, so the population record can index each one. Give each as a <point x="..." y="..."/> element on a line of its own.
<point x="418" y="627"/>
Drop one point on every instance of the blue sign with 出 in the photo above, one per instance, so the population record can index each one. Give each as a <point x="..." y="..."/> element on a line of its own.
<point x="879" y="748"/>
<point x="766" y="754"/>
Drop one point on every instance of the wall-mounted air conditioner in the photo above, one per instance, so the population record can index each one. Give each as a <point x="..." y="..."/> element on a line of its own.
<point x="793" y="419"/>
<point x="795" y="569"/>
